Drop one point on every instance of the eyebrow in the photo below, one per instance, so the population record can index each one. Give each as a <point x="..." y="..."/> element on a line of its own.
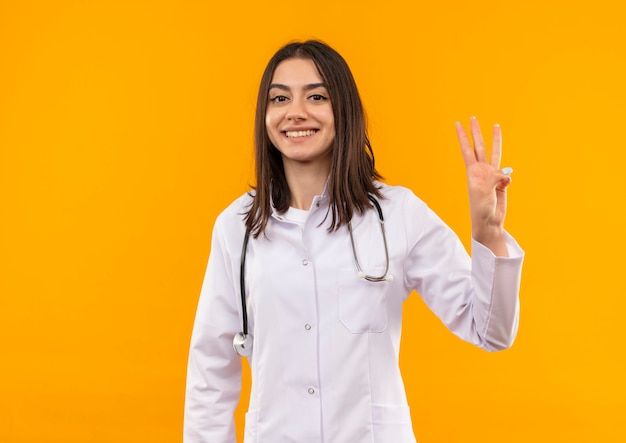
<point x="305" y="87"/>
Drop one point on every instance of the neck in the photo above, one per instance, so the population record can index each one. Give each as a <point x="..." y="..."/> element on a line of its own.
<point x="305" y="183"/>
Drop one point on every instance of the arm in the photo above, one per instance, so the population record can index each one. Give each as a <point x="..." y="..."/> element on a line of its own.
<point x="214" y="370"/>
<point x="475" y="297"/>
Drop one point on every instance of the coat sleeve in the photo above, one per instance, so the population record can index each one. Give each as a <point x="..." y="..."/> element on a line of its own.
<point x="214" y="369"/>
<point x="476" y="297"/>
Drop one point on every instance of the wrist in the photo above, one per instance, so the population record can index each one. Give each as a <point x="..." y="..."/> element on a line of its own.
<point x="492" y="238"/>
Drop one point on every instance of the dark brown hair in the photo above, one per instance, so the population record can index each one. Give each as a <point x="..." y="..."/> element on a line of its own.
<point x="352" y="171"/>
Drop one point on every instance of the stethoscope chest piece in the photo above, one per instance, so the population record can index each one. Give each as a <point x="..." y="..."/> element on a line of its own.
<point x="242" y="343"/>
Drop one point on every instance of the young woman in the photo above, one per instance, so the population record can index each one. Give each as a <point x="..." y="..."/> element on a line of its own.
<point x="324" y="279"/>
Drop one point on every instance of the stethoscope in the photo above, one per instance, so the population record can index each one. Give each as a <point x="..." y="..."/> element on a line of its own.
<point x="242" y="342"/>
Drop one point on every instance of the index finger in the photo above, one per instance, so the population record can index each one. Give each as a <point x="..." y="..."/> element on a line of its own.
<point x="466" y="146"/>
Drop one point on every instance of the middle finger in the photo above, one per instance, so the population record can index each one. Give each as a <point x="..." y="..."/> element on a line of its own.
<point x="479" y="144"/>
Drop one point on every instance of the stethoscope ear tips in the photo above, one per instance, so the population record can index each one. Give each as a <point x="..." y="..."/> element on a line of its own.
<point x="389" y="277"/>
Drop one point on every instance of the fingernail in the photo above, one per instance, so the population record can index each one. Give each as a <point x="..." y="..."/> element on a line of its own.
<point x="497" y="125"/>
<point x="507" y="170"/>
<point x="472" y="118"/>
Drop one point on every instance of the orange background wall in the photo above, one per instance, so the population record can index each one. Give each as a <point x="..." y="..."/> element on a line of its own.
<point x="126" y="126"/>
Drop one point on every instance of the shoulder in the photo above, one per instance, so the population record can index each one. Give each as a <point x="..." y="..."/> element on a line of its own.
<point x="232" y="218"/>
<point x="239" y="207"/>
<point x="394" y="195"/>
<point x="401" y="206"/>
<point x="406" y="212"/>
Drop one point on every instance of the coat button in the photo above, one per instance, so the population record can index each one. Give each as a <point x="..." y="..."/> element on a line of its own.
<point x="307" y="327"/>
<point x="305" y="262"/>
<point x="311" y="391"/>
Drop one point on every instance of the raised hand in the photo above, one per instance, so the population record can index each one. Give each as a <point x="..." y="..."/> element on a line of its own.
<point x="487" y="185"/>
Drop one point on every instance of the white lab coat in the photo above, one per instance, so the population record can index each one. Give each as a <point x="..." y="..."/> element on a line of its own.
<point x="325" y="358"/>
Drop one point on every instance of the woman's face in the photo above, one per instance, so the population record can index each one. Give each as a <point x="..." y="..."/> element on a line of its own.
<point x="299" y="117"/>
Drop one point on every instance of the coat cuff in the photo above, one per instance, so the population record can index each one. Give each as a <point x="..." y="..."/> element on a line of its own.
<point x="497" y="282"/>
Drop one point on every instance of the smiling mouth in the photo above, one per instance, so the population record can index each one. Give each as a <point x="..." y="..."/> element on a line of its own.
<point x="294" y="134"/>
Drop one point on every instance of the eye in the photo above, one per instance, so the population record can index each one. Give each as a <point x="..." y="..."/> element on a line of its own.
<point x="278" y="99"/>
<point x="317" y="97"/>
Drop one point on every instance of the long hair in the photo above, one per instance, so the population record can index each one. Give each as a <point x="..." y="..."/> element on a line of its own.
<point x="352" y="170"/>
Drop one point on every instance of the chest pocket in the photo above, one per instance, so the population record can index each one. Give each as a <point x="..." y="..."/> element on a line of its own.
<point x="362" y="304"/>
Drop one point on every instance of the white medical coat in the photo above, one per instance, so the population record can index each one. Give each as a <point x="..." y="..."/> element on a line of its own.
<point x="325" y="358"/>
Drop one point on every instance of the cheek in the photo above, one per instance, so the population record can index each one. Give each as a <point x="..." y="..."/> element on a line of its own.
<point x="268" y="121"/>
<point x="331" y="126"/>
<point x="270" y="126"/>
<point x="330" y="139"/>
<point x="273" y="117"/>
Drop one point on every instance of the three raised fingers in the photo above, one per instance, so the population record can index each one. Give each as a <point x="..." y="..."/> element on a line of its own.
<point x="476" y="151"/>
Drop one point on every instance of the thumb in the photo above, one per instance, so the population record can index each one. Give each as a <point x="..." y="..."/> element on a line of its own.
<point x="503" y="178"/>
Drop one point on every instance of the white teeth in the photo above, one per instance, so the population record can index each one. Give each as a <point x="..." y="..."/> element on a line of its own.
<point x="300" y="133"/>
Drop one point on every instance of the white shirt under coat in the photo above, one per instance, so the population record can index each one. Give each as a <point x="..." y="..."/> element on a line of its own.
<point x="326" y="343"/>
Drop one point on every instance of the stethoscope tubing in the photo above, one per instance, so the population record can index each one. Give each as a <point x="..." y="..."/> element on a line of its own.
<point x="381" y="220"/>
<point x="242" y="283"/>
<point x="242" y="342"/>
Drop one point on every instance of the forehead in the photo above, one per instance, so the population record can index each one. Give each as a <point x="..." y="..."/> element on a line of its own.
<point x="296" y="72"/>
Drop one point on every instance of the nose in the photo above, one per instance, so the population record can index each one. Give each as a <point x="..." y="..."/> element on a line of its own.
<point x="296" y="110"/>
